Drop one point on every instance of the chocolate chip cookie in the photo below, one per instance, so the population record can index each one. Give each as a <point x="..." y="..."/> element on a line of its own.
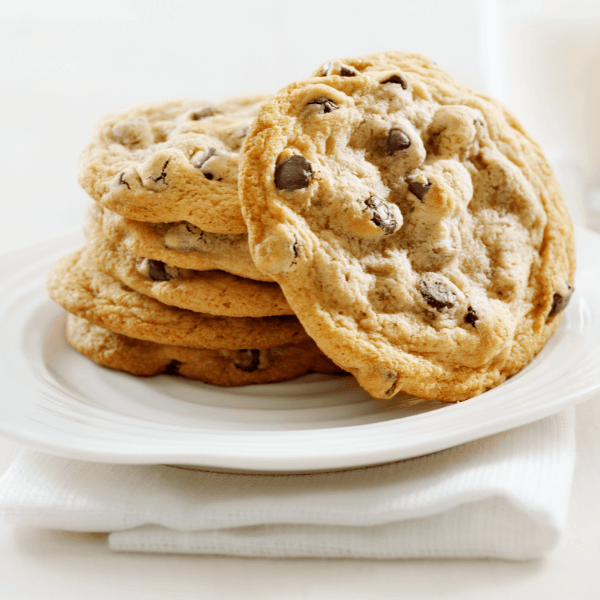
<point x="218" y="367"/>
<point x="79" y="287"/>
<point x="171" y="161"/>
<point x="212" y="292"/>
<point x="179" y="244"/>
<point x="416" y="230"/>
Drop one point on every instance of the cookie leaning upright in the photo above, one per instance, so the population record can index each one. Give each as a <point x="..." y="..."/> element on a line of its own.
<point x="416" y="230"/>
<point x="171" y="161"/>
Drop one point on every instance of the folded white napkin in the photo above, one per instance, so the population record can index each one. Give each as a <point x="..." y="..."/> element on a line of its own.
<point x="504" y="496"/>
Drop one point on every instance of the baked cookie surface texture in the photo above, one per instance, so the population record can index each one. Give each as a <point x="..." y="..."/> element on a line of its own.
<point x="218" y="367"/>
<point x="416" y="230"/>
<point x="213" y="292"/>
<point x="171" y="161"/>
<point x="180" y="244"/>
<point x="83" y="290"/>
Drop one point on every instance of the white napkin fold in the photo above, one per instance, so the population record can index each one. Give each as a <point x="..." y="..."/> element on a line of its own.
<point x="505" y="496"/>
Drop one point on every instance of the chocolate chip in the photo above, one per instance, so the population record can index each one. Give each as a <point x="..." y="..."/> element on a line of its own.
<point x="163" y="174"/>
<point x="203" y="114"/>
<point x="194" y="230"/>
<point x="247" y="360"/>
<point x="437" y="295"/>
<point x="330" y="68"/>
<point x="394" y="377"/>
<point x="327" y="104"/>
<point x="173" y="367"/>
<point x="560" y="302"/>
<point x="397" y="141"/>
<point x="383" y="216"/>
<point x="397" y="79"/>
<point x="157" y="271"/>
<point x="419" y="189"/>
<point x="123" y="182"/>
<point x="471" y="316"/>
<point x="293" y="174"/>
<point x="200" y="160"/>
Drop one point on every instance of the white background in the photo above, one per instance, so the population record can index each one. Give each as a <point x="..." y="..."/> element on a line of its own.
<point x="65" y="63"/>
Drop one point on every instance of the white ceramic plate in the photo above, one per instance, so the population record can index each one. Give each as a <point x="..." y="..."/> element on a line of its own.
<point x="55" y="400"/>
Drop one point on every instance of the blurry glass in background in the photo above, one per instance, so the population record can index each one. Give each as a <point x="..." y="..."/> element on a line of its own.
<point x="551" y="81"/>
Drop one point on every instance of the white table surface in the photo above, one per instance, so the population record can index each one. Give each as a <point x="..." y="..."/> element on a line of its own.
<point x="39" y="564"/>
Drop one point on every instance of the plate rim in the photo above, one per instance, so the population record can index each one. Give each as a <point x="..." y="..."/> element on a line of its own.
<point x="361" y="457"/>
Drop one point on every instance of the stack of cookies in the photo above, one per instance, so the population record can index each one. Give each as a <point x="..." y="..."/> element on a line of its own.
<point x="165" y="283"/>
<point x="377" y="217"/>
